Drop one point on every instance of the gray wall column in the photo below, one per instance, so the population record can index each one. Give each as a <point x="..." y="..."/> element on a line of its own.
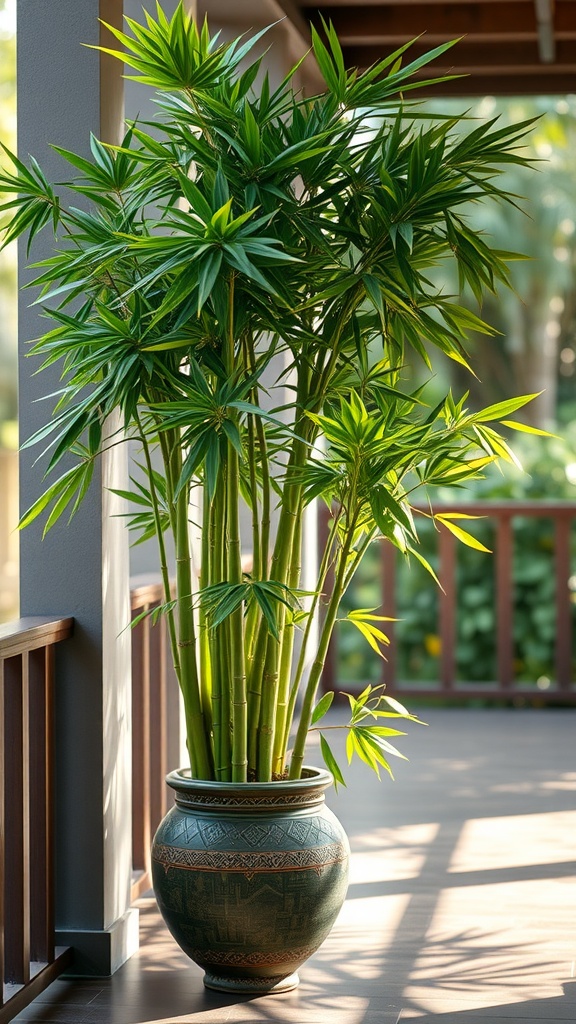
<point x="65" y="91"/>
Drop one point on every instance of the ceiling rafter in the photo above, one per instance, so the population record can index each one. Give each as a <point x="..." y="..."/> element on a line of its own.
<point x="506" y="46"/>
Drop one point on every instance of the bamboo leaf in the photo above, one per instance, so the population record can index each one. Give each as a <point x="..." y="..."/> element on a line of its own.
<point x="322" y="706"/>
<point x="331" y="763"/>
<point x="462" y="535"/>
<point x="374" y="636"/>
<point x="496" y="412"/>
<point x="365" y="615"/>
<point x="526" y="428"/>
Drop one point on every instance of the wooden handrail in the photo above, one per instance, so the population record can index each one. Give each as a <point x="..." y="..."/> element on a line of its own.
<point x="32" y="633"/>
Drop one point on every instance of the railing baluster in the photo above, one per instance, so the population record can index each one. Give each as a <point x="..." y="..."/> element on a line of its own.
<point x="141" y="745"/>
<point x="388" y="559"/>
<point x="158" y="724"/>
<point x="17" y="840"/>
<point x="562" y="529"/>
<point x="447" y="577"/>
<point x="504" y="602"/>
<point x="41" y="674"/>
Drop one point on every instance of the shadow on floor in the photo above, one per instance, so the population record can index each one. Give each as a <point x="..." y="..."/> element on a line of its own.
<point x="461" y="907"/>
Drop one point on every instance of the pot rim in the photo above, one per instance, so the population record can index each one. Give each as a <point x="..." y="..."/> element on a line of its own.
<point x="312" y="778"/>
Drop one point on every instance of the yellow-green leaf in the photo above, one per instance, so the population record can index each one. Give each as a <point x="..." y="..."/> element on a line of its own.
<point x="463" y="535"/>
<point x="526" y="429"/>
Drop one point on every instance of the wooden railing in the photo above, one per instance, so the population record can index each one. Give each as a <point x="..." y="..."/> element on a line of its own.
<point x="562" y="687"/>
<point x="154" y="726"/>
<point x="29" y="960"/>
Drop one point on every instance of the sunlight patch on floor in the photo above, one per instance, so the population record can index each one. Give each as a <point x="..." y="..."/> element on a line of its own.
<point x="516" y="840"/>
<point x="361" y="938"/>
<point x="477" y="948"/>
<point x="390" y="854"/>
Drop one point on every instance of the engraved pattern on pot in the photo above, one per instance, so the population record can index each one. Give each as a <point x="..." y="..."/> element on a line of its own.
<point x="256" y="959"/>
<point x="227" y="913"/>
<point x="248" y="862"/>
<point x="228" y="834"/>
<point x="224" y="800"/>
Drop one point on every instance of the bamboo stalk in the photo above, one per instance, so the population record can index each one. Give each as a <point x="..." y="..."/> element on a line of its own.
<point x="255" y="682"/>
<point x="253" y="614"/>
<point x="318" y="665"/>
<point x="238" y="679"/>
<point x="281" y="558"/>
<point x="287" y="633"/>
<point x="198" y="744"/>
<point x="218" y="638"/>
<point x="268" y="712"/>
<point x="318" y="594"/>
<point x="266" y="489"/>
<point x="256" y="545"/>
<point x="203" y="637"/>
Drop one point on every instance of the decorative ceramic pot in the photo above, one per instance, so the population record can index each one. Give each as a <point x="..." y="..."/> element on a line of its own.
<point x="250" y="877"/>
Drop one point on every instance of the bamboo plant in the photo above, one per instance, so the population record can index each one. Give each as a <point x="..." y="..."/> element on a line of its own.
<point x="244" y="282"/>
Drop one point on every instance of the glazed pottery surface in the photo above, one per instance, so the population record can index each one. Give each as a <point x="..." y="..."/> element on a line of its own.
<point x="250" y="877"/>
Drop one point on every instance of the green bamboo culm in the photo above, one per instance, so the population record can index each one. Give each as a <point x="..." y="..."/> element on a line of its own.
<point x="247" y="284"/>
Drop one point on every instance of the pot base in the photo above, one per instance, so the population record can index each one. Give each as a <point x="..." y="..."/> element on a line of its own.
<point x="251" y="986"/>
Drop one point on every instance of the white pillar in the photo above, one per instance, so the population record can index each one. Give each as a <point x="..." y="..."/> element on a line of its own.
<point x="64" y="92"/>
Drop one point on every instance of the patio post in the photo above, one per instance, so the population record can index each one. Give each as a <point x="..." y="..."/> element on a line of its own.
<point x="65" y="91"/>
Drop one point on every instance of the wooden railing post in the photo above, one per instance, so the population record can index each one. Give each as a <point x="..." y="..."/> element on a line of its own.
<point x="563" y="653"/>
<point x="389" y="662"/>
<point x="158" y="722"/>
<point x="447" y="577"/>
<point x="141" y="747"/>
<point x="154" y="696"/>
<point x="504" y="603"/>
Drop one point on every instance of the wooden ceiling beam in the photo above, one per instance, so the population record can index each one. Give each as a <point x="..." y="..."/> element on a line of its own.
<point x="513" y="57"/>
<point x="408" y="5"/>
<point x="395" y="21"/>
<point x="540" y="83"/>
<point x="507" y="47"/>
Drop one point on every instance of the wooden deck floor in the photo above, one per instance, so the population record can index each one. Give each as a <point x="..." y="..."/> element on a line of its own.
<point x="462" y="903"/>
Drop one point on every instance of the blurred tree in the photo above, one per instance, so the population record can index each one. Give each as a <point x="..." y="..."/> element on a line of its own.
<point x="536" y="350"/>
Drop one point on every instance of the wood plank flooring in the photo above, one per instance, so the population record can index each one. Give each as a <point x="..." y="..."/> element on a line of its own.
<point x="461" y="908"/>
